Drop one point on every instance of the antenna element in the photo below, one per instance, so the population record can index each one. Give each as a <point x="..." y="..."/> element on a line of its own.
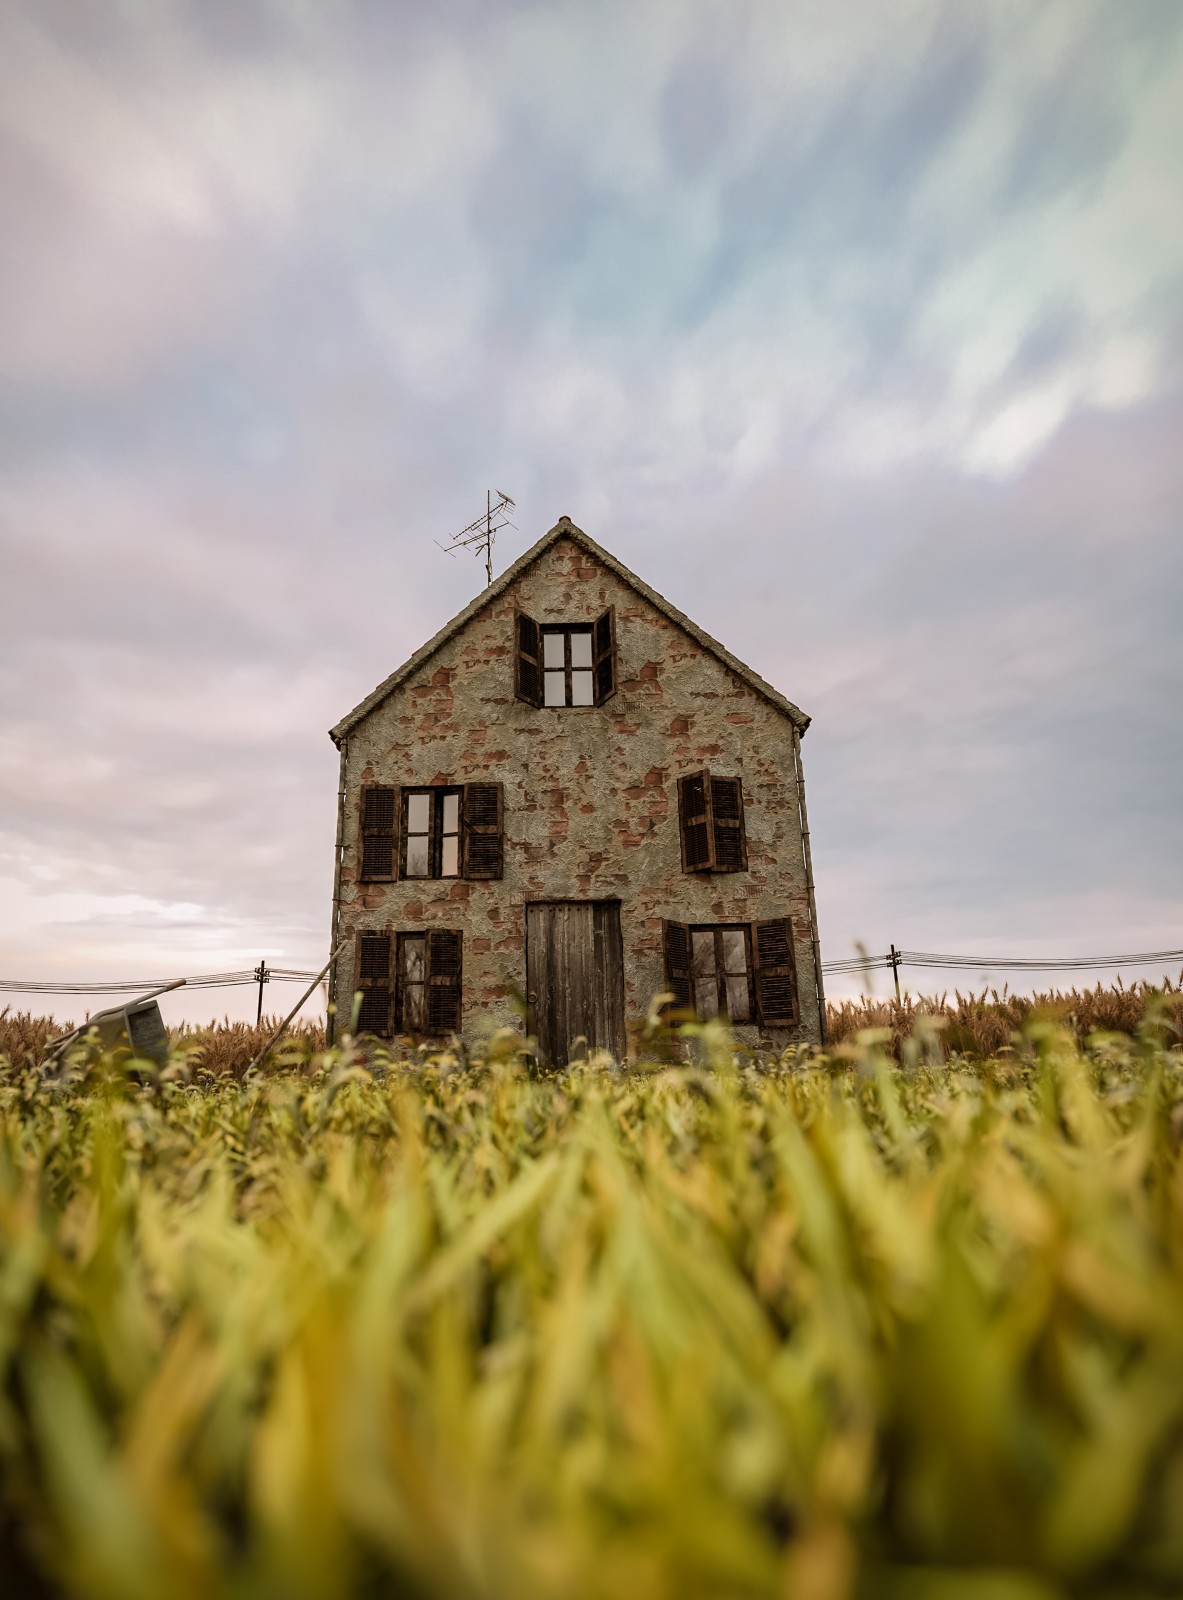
<point x="479" y="535"/>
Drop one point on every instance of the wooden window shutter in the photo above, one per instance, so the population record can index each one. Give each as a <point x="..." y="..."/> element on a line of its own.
<point x="775" y="972"/>
<point x="373" y="980"/>
<point x="694" y="816"/>
<point x="484" y="830"/>
<point x="731" y="846"/>
<point x="444" y="960"/>
<point x="604" y="655"/>
<point x="377" y="833"/>
<point x="527" y="659"/>
<point x="675" y="940"/>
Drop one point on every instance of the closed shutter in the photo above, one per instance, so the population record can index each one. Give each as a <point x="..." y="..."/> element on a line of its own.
<point x="527" y="670"/>
<point x="484" y="830"/>
<point x="373" y="980"/>
<point x="694" y="816"/>
<point x="675" y="939"/>
<point x="377" y="833"/>
<point x="444" y="952"/>
<point x="604" y="655"/>
<point x="775" y="972"/>
<point x="731" y="846"/>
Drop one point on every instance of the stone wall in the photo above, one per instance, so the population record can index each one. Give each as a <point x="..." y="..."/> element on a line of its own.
<point x="591" y="801"/>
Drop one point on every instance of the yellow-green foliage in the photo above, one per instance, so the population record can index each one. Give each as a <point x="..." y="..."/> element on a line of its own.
<point x="824" y="1329"/>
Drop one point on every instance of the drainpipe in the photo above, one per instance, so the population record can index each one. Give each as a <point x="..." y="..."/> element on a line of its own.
<point x="335" y="935"/>
<point x="808" y="859"/>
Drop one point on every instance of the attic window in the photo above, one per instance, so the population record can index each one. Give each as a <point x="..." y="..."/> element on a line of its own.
<point x="567" y="678"/>
<point x="565" y="664"/>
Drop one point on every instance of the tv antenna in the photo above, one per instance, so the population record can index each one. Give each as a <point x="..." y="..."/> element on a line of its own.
<point x="479" y="535"/>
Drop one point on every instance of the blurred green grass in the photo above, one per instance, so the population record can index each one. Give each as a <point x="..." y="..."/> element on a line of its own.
<point x="818" y="1326"/>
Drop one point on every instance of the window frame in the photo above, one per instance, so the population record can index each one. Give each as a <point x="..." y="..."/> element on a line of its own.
<point x="718" y="929"/>
<point x="442" y="982"/>
<point x="565" y="630"/>
<point x="437" y="793"/>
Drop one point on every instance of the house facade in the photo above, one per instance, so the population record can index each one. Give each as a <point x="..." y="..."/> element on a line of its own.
<point x="573" y="798"/>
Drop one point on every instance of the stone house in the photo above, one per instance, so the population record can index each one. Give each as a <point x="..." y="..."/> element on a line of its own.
<point x="571" y="800"/>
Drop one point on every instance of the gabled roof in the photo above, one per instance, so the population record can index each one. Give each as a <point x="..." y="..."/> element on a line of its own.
<point x="564" y="528"/>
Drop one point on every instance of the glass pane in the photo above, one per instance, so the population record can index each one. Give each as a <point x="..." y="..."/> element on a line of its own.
<point x="417" y="812"/>
<point x="413" y="1007"/>
<point x="735" y="955"/>
<point x="450" y="857"/>
<point x="451" y="813"/>
<point x="556" y="689"/>
<point x="417" y="863"/>
<point x="581" y="650"/>
<point x="552" y="650"/>
<point x="739" y="1007"/>
<point x="413" y="960"/>
<point x="702" y="953"/>
<point x="706" y="997"/>
<point x="582" y="693"/>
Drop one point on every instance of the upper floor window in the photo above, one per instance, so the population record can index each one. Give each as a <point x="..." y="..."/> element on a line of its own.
<point x="437" y="831"/>
<point x="431" y="833"/>
<point x="710" y="817"/>
<point x="566" y="664"/>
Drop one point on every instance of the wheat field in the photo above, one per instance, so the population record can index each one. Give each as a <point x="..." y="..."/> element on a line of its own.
<point x="822" y="1327"/>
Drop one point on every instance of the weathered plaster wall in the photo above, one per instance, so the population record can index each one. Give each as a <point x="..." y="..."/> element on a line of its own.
<point x="591" y="803"/>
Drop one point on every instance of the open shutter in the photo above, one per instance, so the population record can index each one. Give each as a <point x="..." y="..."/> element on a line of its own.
<point x="675" y="939"/>
<point x="527" y="659"/>
<point x="731" y="846"/>
<point x="694" y="816"/>
<point x="444" y="952"/>
<point x="373" y="979"/>
<point x="604" y="654"/>
<point x="484" y="829"/>
<point x="775" y="972"/>
<point x="377" y="833"/>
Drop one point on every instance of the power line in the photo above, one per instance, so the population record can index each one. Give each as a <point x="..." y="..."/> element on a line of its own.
<point x="206" y="980"/>
<point x="924" y="958"/>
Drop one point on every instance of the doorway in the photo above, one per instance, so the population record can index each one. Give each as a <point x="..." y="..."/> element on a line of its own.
<point x="575" y="978"/>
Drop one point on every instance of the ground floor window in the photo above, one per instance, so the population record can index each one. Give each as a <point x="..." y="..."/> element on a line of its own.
<point x="721" y="967"/>
<point x="410" y="982"/>
<point x="744" y="971"/>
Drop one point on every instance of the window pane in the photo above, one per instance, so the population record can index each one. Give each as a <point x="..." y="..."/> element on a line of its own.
<point x="735" y="954"/>
<point x="451" y="813"/>
<point x="552" y="650"/>
<point x="556" y="689"/>
<point x="581" y="655"/>
<point x="706" y="997"/>
<point x="413" y="960"/>
<point x="581" y="689"/>
<point x="418" y="812"/>
<point x="450" y="857"/>
<point x="702" y="953"/>
<point x="739" y="1005"/>
<point x="413" y="1007"/>
<point x="417" y="863"/>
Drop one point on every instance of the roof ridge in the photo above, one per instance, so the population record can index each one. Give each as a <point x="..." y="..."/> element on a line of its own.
<point x="565" y="528"/>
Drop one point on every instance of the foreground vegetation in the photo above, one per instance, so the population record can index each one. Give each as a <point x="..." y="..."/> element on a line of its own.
<point x="828" y="1328"/>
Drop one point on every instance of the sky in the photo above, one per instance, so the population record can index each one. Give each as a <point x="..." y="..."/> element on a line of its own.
<point x="853" y="328"/>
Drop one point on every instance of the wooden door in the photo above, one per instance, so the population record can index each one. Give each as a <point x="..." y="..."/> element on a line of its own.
<point x="575" y="978"/>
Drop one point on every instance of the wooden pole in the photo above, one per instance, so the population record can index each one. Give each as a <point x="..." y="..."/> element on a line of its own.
<point x="260" y="979"/>
<point x="894" y="958"/>
<point x="283" y="1025"/>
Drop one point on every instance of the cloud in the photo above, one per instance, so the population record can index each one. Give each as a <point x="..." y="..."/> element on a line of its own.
<point x="854" y="329"/>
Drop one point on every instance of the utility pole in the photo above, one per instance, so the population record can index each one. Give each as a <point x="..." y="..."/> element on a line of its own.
<point x="481" y="532"/>
<point x="894" y="958"/>
<point x="261" y="976"/>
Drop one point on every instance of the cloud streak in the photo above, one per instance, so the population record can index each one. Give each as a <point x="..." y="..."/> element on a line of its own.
<point x="855" y="330"/>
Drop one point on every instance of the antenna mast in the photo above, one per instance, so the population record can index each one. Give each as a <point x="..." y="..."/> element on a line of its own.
<point x="479" y="535"/>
